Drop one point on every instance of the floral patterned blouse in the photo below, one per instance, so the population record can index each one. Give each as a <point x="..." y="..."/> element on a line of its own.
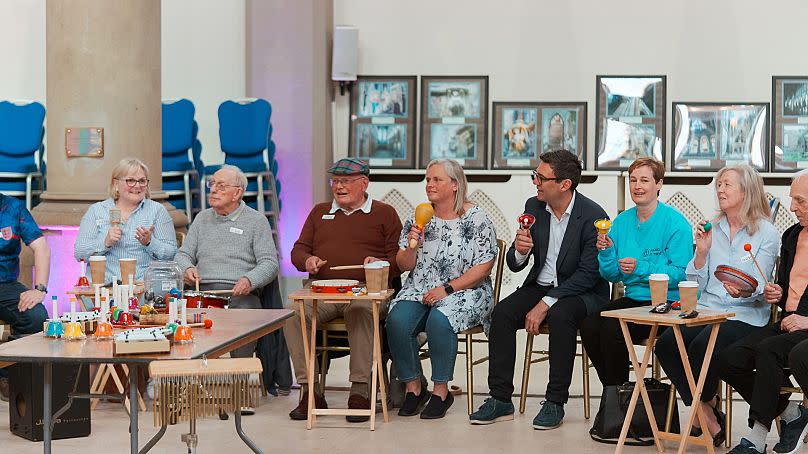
<point x="449" y="249"/>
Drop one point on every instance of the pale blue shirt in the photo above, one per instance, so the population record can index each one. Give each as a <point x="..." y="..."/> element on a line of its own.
<point x="95" y="225"/>
<point x="548" y="275"/>
<point x="765" y="246"/>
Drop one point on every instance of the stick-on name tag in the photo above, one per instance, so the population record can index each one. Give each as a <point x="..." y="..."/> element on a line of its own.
<point x="235" y="230"/>
<point x="101" y="222"/>
<point x="328" y="216"/>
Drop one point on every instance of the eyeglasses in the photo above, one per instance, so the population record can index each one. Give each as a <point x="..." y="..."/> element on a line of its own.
<point x="342" y="181"/>
<point x="131" y="182"/>
<point x="218" y="185"/>
<point x="542" y="179"/>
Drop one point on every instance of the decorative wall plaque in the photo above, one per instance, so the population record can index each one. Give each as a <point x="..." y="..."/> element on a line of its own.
<point x="84" y="142"/>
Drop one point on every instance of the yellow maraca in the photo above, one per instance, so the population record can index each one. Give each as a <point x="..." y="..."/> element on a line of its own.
<point x="423" y="214"/>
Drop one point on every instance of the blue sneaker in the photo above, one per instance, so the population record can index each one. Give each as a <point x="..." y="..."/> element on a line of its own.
<point x="491" y="411"/>
<point x="550" y="416"/>
<point x="792" y="434"/>
<point x="746" y="447"/>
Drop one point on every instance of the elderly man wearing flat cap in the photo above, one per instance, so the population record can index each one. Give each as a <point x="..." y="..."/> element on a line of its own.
<point x="352" y="229"/>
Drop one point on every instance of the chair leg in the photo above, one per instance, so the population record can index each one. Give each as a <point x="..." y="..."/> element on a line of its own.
<point x="585" y="364"/>
<point x="470" y="373"/>
<point x="186" y="185"/>
<point x="669" y="413"/>
<point x="323" y="362"/>
<point x="728" y="408"/>
<point x="526" y="373"/>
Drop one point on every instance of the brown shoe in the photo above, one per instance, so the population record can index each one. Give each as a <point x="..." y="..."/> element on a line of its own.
<point x="301" y="413"/>
<point x="4" y="391"/>
<point x="358" y="402"/>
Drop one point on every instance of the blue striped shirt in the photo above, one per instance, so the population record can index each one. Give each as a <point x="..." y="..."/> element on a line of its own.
<point x="95" y="225"/>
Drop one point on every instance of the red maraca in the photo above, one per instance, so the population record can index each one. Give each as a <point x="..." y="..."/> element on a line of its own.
<point x="526" y="221"/>
<point x="748" y="248"/>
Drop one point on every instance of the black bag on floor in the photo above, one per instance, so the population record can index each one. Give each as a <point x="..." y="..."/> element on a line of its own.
<point x="613" y="408"/>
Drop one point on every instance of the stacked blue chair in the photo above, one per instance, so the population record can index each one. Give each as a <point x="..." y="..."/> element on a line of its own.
<point x="179" y="138"/>
<point x="21" y="149"/>
<point x="245" y="133"/>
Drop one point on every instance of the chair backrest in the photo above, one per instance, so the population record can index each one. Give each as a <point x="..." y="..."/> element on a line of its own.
<point x="244" y="127"/>
<point x="774" y="204"/>
<point x="180" y="238"/>
<point x="21" y="129"/>
<point x="178" y="127"/>
<point x="499" y="267"/>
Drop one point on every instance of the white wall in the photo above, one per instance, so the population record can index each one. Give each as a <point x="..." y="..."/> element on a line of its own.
<point x="203" y="57"/>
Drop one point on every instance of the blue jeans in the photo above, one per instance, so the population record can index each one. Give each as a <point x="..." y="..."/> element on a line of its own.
<point x="404" y="322"/>
<point x="27" y="322"/>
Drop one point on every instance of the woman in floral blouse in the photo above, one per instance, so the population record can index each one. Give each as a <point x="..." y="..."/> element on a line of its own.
<point x="448" y="289"/>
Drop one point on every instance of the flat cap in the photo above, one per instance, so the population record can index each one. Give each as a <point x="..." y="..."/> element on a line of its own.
<point x="350" y="166"/>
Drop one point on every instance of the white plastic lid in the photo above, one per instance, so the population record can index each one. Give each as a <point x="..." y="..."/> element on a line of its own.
<point x="98" y="258"/>
<point x="689" y="284"/>
<point x="378" y="265"/>
<point x="658" y="277"/>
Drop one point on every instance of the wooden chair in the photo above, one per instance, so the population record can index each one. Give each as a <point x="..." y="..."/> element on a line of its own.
<point x="468" y="335"/>
<point x="180" y="238"/>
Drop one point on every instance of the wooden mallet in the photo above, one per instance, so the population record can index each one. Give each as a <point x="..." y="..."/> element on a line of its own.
<point x="748" y="248"/>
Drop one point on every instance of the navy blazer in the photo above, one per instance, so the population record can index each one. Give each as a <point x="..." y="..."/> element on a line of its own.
<point x="577" y="264"/>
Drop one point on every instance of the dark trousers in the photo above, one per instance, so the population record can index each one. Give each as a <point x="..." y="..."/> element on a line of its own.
<point x="509" y="314"/>
<point x="27" y="322"/>
<point x="755" y="367"/>
<point x="695" y="339"/>
<point x="604" y="343"/>
<point x="798" y="362"/>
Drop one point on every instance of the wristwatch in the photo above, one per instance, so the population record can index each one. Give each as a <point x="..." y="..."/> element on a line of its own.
<point x="41" y="287"/>
<point x="448" y="288"/>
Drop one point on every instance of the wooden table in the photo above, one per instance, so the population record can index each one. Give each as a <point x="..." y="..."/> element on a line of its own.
<point x="232" y="328"/>
<point x="300" y="297"/>
<point x="642" y="316"/>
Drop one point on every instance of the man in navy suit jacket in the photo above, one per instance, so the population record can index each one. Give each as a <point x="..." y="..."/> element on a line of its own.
<point x="562" y="288"/>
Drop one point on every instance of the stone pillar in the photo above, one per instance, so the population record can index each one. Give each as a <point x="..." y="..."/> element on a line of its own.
<point x="289" y="64"/>
<point x="103" y="70"/>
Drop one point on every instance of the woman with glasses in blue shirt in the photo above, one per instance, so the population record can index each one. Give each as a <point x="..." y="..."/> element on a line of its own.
<point x="743" y="219"/>
<point x="144" y="230"/>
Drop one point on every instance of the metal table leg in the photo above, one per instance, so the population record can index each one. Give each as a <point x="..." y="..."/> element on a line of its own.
<point x="133" y="409"/>
<point x="46" y="406"/>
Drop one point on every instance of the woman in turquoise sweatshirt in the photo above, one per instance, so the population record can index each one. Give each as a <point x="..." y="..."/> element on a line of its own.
<point x="650" y="238"/>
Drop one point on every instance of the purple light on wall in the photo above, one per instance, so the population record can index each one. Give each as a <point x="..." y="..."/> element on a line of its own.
<point x="295" y="174"/>
<point x="64" y="269"/>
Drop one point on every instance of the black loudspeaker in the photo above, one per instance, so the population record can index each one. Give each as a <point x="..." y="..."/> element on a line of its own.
<point x="25" y="401"/>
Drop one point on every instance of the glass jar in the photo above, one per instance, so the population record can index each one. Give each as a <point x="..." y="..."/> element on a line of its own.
<point x="160" y="278"/>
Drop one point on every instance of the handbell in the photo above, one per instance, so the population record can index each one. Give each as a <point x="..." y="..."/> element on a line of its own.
<point x="73" y="331"/>
<point x="103" y="331"/>
<point x="183" y="334"/>
<point x="54" y="329"/>
<point x="423" y="214"/>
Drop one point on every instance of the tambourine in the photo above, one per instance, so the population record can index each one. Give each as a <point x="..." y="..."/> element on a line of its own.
<point x="736" y="278"/>
<point x="333" y="285"/>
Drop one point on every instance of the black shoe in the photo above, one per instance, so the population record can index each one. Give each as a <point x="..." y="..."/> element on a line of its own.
<point x="792" y="434"/>
<point x="358" y="402"/>
<point x="413" y="404"/>
<point x="436" y="408"/>
<point x="721" y="436"/>
<point x="746" y="447"/>
<point x="301" y="412"/>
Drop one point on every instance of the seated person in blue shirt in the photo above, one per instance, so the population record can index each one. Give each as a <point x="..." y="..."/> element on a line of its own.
<point x="651" y="237"/>
<point x="744" y="218"/>
<point x="145" y="232"/>
<point x="20" y="307"/>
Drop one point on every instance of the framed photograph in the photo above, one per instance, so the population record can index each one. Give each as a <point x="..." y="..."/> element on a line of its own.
<point x="709" y="136"/>
<point x="789" y="123"/>
<point x="454" y="120"/>
<point x="629" y="120"/>
<point x="524" y="130"/>
<point x="383" y="118"/>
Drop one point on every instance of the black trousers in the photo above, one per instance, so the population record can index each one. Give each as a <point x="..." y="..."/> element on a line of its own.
<point x="755" y="367"/>
<point x="695" y="339"/>
<point x="605" y="345"/>
<point x="563" y="318"/>
<point x="798" y="362"/>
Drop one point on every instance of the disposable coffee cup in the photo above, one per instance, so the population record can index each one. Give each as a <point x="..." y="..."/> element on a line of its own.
<point x="128" y="267"/>
<point x="659" y="288"/>
<point x="688" y="295"/>
<point x="98" y="268"/>
<point x="376" y="275"/>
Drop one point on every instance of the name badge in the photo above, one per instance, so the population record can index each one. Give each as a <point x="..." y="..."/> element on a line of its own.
<point x="746" y="258"/>
<point x="328" y="216"/>
<point x="100" y="222"/>
<point x="236" y="231"/>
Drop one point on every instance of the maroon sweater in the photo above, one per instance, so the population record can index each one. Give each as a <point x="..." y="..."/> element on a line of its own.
<point x="347" y="240"/>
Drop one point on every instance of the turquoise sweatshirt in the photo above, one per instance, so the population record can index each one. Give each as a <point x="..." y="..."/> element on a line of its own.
<point x="662" y="244"/>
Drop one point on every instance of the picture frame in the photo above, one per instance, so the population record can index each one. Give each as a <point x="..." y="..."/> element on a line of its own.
<point x="710" y="135"/>
<point x="454" y="120"/>
<point x="522" y="131"/>
<point x="629" y="119"/>
<point x="789" y="145"/>
<point x="382" y="122"/>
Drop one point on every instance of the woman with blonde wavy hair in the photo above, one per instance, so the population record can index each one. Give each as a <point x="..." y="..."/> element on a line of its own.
<point x="743" y="219"/>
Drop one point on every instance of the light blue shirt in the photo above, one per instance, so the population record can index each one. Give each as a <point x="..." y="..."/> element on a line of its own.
<point x="95" y="225"/>
<point x="661" y="244"/>
<point x="765" y="246"/>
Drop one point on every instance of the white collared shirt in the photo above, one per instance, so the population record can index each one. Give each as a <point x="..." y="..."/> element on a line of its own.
<point x="548" y="276"/>
<point x="364" y="208"/>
